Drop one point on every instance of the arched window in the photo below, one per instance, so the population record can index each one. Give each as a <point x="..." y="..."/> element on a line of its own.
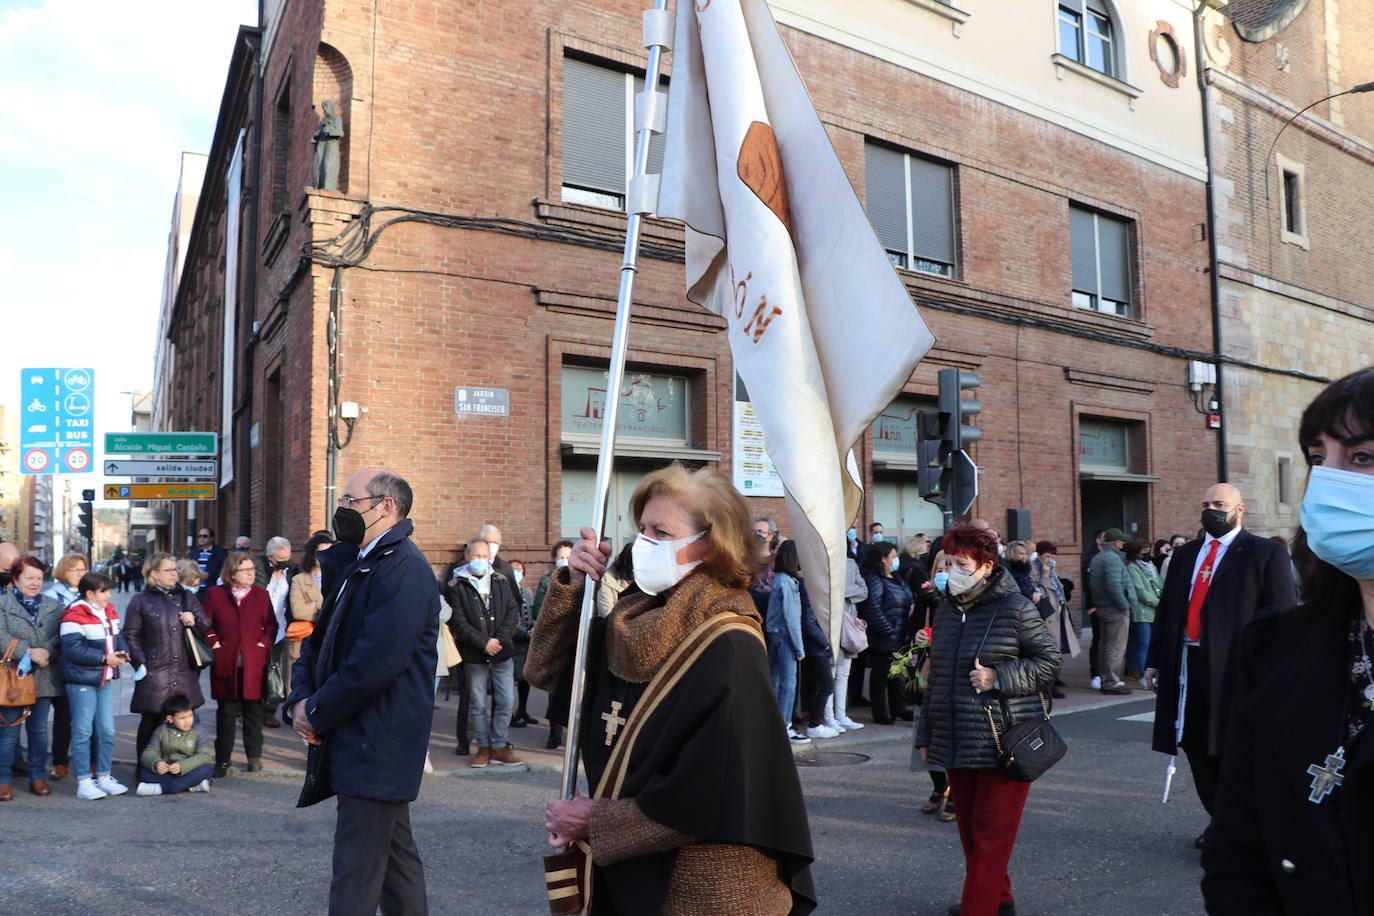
<point x="1088" y="34"/>
<point x="333" y="81"/>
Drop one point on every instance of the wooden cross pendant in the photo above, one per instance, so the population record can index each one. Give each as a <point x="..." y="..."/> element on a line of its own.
<point x="1326" y="779"/>
<point x="613" y="720"/>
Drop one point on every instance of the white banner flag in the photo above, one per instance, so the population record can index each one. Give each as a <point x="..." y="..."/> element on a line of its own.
<point x="822" y="329"/>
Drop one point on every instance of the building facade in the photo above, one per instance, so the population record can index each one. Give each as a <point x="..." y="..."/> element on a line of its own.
<point x="1292" y="205"/>
<point x="360" y="276"/>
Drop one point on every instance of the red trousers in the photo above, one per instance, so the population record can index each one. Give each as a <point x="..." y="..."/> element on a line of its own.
<point x="987" y="806"/>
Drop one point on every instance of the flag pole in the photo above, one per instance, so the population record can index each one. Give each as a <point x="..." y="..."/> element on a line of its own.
<point x="641" y="200"/>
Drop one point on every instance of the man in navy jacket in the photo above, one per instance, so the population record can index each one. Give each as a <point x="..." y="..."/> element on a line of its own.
<point x="363" y="695"/>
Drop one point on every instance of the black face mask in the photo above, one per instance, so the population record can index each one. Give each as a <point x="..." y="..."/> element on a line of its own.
<point x="1216" y="522"/>
<point x="349" y="526"/>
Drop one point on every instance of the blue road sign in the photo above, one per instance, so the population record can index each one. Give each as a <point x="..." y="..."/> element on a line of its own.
<point x="57" y="421"/>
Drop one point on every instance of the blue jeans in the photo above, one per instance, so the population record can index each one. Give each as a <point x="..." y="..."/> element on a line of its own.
<point x="37" y="726"/>
<point x="174" y="784"/>
<point x="489" y="730"/>
<point x="783" y="667"/>
<point x="92" y="712"/>
<point x="1139" y="647"/>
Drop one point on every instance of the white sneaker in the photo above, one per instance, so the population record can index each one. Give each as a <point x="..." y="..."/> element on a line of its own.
<point x="1095" y="683"/>
<point x="796" y="738"/>
<point x="831" y="723"/>
<point x="821" y="731"/>
<point x="1144" y="684"/>
<point x="429" y="766"/>
<point x="202" y="786"/>
<point x="87" y="790"/>
<point x="148" y="788"/>
<point x="850" y="724"/>
<point x="110" y="786"/>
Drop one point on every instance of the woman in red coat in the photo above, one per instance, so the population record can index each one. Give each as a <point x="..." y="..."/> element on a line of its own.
<point x="245" y="626"/>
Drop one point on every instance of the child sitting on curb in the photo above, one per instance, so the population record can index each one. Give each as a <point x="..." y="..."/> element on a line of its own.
<point x="175" y="759"/>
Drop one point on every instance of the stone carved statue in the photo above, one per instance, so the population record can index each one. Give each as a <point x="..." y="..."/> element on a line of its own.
<point x="327" y="137"/>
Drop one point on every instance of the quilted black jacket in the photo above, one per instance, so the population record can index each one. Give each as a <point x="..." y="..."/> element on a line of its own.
<point x="954" y="719"/>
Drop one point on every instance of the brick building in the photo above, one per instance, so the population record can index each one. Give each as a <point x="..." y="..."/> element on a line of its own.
<point x="1035" y="169"/>
<point x="1294" y="251"/>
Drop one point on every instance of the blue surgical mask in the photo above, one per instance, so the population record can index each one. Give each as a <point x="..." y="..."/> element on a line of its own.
<point x="896" y="562"/>
<point x="519" y="576"/>
<point x="1338" y="516"/>
<point x="941" y="581"/>
<point x="479" y="567"/>
<point x="877" y="538"/>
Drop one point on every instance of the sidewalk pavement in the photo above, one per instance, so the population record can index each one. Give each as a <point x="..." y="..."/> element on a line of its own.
<point x="284" y="751"/>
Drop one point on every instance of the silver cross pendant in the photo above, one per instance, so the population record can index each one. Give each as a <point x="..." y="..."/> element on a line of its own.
<point x="1325" y="779"/>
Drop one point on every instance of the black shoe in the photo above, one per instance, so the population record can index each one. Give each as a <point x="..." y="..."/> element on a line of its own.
<point x="860" y="701"/>
<point x="517" y="722"/>
<point x="1120" y="690"/>
<point x="529" y="719"/>
<point x="1059" y="683"/>
<point x="552" y="744"/>
<point x="905" y="716"/>
<point x="462" y="750"/>
<point x="222" y="770"/>
<point x="21" y="767"/>
<point x="883" y="720"/>
<point x="1057" y="693"/>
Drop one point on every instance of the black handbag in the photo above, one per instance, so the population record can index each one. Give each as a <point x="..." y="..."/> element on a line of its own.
<point x="1028" y="748"/>
<point x="198" y="651"/>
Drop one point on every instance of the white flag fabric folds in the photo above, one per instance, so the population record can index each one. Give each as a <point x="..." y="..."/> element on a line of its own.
<point x="822" y="329"/>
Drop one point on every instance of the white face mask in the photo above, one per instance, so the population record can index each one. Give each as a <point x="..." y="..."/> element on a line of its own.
<point x="961" y="581"/>
<point x="560" y="563"/>
<point x="493" y="549"/>
<point x="656" y="568"/>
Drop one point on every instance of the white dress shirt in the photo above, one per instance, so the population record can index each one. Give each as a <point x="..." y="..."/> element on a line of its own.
<point x="1224" y="541"/>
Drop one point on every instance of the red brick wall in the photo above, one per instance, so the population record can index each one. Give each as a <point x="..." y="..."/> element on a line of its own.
<point x="459" y="111"/>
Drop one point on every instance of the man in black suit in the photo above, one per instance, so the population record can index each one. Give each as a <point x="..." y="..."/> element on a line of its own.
<point x="1215" y="586"/>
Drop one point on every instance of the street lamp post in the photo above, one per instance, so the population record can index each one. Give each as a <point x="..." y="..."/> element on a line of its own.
<point x="1362" y="87"/>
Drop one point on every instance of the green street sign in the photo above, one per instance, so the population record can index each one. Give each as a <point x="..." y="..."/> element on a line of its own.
<point x="161" y="443"/>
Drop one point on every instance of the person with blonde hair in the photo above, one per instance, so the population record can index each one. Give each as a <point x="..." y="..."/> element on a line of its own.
<point x="154" y="626"/>
<point x="188" y="574"/>
<point x="698" y="806"/>
<point x="65" y="576"/>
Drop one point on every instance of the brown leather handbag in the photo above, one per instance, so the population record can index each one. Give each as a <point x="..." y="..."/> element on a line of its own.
<point x="16" y="689"/>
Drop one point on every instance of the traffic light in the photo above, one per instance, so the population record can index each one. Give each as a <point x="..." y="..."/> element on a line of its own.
<point x="929" y="464"/>
<point x="954" y="407"/>
<point x="945" y="475"/>
<point x="86" y="513"/>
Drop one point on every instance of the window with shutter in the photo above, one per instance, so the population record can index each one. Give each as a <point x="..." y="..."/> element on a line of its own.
<point x="911" y="206"/>
<point x="598" y="134"/>
<point x="1101" y="253"/>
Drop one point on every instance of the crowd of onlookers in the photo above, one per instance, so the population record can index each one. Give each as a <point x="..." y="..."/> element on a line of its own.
<point x="242" y="614"/>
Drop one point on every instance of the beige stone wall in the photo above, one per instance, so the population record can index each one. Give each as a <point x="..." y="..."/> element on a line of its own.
<point x="1276" y="330"/>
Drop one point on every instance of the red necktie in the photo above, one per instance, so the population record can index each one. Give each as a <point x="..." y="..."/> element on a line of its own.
<point x="1200" y="585"/>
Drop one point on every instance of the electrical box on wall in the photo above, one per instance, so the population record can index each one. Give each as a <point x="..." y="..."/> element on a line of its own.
<point x="1214" y="421"/>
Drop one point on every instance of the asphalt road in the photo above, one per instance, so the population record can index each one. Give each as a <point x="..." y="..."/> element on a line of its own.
<point x="1095" y="840"/>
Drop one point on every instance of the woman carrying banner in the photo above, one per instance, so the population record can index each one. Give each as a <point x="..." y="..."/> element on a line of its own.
<point x="697" y="806"/>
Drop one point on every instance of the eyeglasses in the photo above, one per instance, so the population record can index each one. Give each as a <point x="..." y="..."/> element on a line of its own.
<point x="202" y="537"/>
<point x="165" y="569"/>
<point x="347" y="501"/>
